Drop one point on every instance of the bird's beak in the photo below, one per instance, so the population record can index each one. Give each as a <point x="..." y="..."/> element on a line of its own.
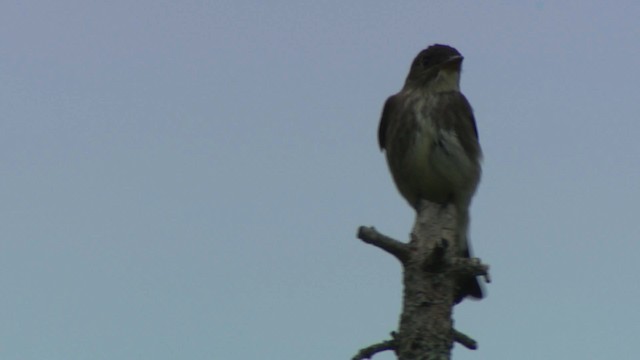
<point x="453" y="62"/>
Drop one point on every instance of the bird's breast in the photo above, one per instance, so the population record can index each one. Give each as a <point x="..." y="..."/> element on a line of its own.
<point x="410" y="156"/>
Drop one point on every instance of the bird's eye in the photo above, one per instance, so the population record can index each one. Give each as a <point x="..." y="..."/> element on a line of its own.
<point x="428" y="61"/>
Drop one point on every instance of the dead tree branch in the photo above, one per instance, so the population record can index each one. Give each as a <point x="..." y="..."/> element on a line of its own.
<point x="394" y="247"/>
<point x="430" y="269"/>
<point x="369" y="351"/>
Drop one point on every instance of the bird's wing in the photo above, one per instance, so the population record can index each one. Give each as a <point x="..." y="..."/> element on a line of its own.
<point x="390" y="107"/>
<point x="453" y="113"/>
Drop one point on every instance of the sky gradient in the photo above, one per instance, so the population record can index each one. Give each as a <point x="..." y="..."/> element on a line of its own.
<point x="184" y="180"/>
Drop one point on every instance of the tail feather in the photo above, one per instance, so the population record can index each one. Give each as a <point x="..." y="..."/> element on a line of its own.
<point x="468" y="286"/>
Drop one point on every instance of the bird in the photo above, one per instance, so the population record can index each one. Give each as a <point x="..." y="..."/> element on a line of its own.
<point x="430" y="138"/>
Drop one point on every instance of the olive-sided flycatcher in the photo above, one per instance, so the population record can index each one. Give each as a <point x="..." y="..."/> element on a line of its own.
<point x="429" y="134"/>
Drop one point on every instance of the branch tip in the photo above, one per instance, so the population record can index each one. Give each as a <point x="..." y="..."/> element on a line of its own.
<point x="369" y="351"/>
<point x="464" y="340"/>
<point x="394" y="247"/>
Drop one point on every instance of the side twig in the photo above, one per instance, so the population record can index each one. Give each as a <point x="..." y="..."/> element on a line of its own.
<point x="464" y="340"/>
<point x="369" y="351"/>
<point x="394" y="247"/>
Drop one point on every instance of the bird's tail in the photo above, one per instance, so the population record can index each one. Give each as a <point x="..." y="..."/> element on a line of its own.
<point x="468" y="286"/>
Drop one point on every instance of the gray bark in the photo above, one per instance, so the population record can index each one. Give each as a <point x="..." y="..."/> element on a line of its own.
<point x="430" y="269"/>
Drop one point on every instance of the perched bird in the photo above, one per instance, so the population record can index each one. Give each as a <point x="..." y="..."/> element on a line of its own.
<point x="430" y="138"/>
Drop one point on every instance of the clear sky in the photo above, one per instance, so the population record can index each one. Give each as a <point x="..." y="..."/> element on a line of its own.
<point x="184" y="180"/>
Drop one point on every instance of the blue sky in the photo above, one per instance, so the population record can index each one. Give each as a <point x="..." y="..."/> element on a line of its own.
<point x="184" y="180"/>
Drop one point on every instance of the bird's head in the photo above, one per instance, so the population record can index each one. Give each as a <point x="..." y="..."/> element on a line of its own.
<point x="437" y="68"/>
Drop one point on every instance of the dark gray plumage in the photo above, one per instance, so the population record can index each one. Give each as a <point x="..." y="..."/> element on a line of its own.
<point x="429" y="134"/>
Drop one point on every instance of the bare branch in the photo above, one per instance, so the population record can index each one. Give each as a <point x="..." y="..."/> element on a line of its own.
<point x="369" y="351"/>
<point x="432" y="268"/>
<point x="464" y="340"/>
<point x="394" y="247"/>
